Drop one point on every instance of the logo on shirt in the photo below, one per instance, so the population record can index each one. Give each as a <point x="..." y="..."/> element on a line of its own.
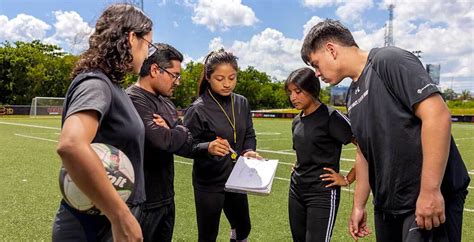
<point x="357" y="91"/>
<point x="359" y="100"/>
<point x="419" y="91"/>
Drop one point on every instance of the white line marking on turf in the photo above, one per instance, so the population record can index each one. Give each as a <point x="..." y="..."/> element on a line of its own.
<point x="471" y="172"/>
<point x="277" y="178"/>
<point x="463" y="138"/>
<point x="292" y="153"/>
<point x="30" y="125"/>
<point x="38" y="138"/>
<point x="268" y="133"/>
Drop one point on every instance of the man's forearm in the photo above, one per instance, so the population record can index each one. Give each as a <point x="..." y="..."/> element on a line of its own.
<point x="362" y="189"/>
<point x="435" y="138"/>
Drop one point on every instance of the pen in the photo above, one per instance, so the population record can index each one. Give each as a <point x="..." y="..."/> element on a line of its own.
<point x="234" y="154"/>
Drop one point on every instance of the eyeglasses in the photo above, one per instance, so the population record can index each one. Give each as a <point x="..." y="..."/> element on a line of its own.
<point x="175" y="77"/>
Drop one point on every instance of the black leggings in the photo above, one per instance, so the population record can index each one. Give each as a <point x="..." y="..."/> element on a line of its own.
<point x="209" y="206"/>
<point x="313" y="214"/>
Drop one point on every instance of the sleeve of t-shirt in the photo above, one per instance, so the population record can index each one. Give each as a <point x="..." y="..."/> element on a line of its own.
<point x="91" y="94"/>
<point x="167" y="139"/>
<point x="193" y="122"/>
<point x="340" y="127"/>
<point x="404" y="75"/>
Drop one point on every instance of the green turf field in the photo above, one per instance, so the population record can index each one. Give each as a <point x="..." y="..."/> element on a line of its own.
<point x="30" y="194"/>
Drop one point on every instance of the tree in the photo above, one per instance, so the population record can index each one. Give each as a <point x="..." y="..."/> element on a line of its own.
<point x="465" y="95"/>
<point x="33" y="69"/>
<point x="449" y="94"/>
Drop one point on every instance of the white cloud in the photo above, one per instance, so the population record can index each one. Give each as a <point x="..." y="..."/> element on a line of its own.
<point x="346" y="10"/>
<point x="71" y="30"/>
<point x="22" y="28"/>
<point x="308" y="25"/>
<point x="319" y="3"/>
<point x="175" y="24"/>
<point x="186" y="60"/>
<point x="222" y="14"/>
<point x="269" y="51"/>
<point x="352" y="10"/>
<point x="215" y="44"/>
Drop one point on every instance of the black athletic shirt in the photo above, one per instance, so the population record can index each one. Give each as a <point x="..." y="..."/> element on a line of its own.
<point x="317" y="140"/>
<point x="119" y="123"/>
<point x="160" y="144"/>
<point x="206" y="120"/>
<point x="381" y="109"/>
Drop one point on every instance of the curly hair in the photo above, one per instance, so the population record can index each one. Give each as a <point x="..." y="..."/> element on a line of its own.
<point x="109" y="48"/>
<point x="212" y="60"/>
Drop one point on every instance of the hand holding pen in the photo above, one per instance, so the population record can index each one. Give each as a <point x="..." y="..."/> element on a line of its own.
<point x="219" y="147"/>
<point x="233" y="154"/>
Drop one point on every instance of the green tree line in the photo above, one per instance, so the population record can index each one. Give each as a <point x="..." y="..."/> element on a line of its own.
<point x="31" y="69"/>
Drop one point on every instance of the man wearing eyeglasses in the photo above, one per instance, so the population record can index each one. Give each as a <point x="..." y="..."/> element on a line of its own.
<point x="164" y="136"/>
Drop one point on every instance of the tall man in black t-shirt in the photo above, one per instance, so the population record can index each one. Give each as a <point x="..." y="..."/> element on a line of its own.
<point x="403" y="128"/>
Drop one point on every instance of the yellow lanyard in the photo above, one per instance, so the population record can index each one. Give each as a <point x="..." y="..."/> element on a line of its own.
<point x="232" y="124"/>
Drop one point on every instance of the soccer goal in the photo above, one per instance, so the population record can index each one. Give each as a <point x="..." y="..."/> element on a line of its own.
<point x="46" y="106"/>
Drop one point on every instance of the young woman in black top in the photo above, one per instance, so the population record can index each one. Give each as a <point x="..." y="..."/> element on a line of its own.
<point x="97" y="110"/>
<point x="219" y="113"/>
<point x="318" y="135"/>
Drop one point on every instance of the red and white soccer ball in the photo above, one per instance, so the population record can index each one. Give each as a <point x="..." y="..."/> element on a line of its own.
<point x="119" y="169"/>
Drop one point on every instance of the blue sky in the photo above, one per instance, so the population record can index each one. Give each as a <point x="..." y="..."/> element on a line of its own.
<point x="263" y="33"/>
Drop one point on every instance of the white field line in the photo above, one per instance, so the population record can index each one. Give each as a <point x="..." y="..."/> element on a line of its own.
<point x="30" y="125"/>
<point x="292" y="153"/>
<point x="471" y="172"/>
<point x="34" y="137"/>
<point x="290" y="150"/>
<point x="189" y="163"/>
<point x="267" y="133"/>
<point x="463" y="138"/>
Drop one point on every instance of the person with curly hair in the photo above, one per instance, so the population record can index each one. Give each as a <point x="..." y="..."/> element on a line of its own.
<point x="97" y="110"/>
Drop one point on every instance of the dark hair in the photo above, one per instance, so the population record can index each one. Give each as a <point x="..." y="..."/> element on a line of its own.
<point x="162" y="55"/>
<point x="324" y="31"/>
<point x="109" y="48"/>
<point x="306" y="80"/>
<point x="212" y="60"/>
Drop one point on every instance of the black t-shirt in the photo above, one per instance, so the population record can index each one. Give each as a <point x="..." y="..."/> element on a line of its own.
<point x="317" y="140"/>
<point x="206" y="121"/>
<point x="381" y="109"/>
<point x="119" y="123"/>
<point x="160" y="144"/>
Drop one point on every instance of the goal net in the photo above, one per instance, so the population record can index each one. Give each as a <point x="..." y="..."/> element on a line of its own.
<point x="46" y="106"/>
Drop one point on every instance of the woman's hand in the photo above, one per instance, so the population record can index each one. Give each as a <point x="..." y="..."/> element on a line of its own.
<point x="334" y="177"/>
<point x="160" y="121"/>
<point x="219" y="147"/>
<point x="252" y="154"/>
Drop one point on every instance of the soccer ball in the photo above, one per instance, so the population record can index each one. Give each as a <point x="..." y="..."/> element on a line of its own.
<point x="119" y="169"/>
